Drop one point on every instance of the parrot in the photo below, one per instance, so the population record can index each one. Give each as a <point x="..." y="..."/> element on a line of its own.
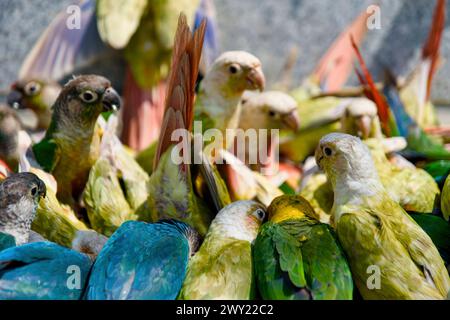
<point x="72" y="143"/>
<point x="218" y="102"/>
<point x="143" y="261"/>
<point x="138" y="33"/>
<point x="445" y="199"/>
<point x="321" y="114"/>
<point x="54" y="221"/>
<point x="298" y="258"/>
<point x="413" y="188"/>
<point x="117" y="185"/>
<point x="374" y="231"/>
<point x="267" y="110"/>
<point x="19" y="197"/>
<point x="171" y="188"/>
<point x="36" y="95"/>
<point x="9" y="136"/>
<point x="42" y="271"/>
<point x="222" y="269"/>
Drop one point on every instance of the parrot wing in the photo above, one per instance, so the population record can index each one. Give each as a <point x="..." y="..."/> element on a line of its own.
<point x="140" y="262"/>
<point x="226" y="275"/>
<point x="47" y="154"/>
<point x="438" y="230"/>
<point x="42" y="270"/>
<point x="279" y="265"/>
<point x="61" y="49"/>
<point x="103" y="197"/>
<point x="118" y="20"/>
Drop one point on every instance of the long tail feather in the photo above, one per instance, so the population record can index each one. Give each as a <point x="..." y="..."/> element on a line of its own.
<point x="179" y="105"/>
<point x="431" y="48"/>
<point x="335" y="67"/>
<point x="373" y="93"/>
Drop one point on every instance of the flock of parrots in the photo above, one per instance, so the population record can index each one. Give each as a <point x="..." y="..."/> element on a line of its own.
<point x="93" y="205"/>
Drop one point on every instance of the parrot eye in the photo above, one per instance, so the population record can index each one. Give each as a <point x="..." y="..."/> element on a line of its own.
<point x="260" y="214"/>
<point x="234" y="68"/>
<point x="327" y="151"/>
<point x="32" y="88"/>
<point x="272" y="113"/>
<point x="89" y="96"/>
<point x="34" y="191"/>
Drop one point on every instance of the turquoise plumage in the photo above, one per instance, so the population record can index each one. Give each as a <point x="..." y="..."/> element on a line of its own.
<point x="42" y="271"/>
<point x="6" y="241"/>
<point x="143" y="261"/>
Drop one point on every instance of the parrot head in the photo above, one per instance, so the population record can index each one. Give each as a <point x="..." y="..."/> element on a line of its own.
<point x="346" y="159"/>
<point x="269" y="110"/>
<point x="237" y="71"/>
<point x="360" y="118"/>
<point x="33" y="94"/>
<point x="287" y="207"/>
<point x="239" y="220"/>
<point x="19" y="198"/>
<point x="84" y="98"/>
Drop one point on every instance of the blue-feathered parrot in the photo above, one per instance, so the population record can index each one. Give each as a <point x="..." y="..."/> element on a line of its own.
<point x="143" y="261"/>
<point x="42" y="271"/>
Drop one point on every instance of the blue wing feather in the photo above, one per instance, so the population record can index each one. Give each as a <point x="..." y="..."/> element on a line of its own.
<point x="6" y="241"/>
<point x="41" y="271"/>
<point x="141" y="262"/>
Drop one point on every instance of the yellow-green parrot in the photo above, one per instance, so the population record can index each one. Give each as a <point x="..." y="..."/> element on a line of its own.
<point x="37" y="95"/>
<point x="54" y="221"/>
<point x="390" y="256"/>
<point x="117" y="185"/>
<point x="298" y="258"/>
<point x="71" y="145"/>
<point x="218" y="103"/>
<point x="222" y="269"/>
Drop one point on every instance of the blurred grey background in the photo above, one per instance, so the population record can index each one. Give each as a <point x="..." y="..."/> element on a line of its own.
<point x="267" y="28"/>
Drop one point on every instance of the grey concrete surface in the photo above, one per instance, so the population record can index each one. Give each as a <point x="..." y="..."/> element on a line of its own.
<point x="268" y="28"/>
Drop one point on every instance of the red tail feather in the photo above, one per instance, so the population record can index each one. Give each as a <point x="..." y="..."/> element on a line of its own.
<point x="179" y="110"/>
<point x="432" y="46"/>
<point x="372" y="91"/>
<point x="336" y="65"/>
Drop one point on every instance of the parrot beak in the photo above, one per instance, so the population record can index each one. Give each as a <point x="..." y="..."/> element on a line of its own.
<point x="319" y="156"/>
<point x="111" y="100"/>
<point x="364" y="124"/>
<point x="42" y="189"/>
<point x="256" y="79"/>
<point x="14" y="99"/>
<point x="291" y="120"/>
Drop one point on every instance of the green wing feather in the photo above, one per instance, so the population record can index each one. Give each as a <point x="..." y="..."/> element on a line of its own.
<point x="104" y="199"/>
<point x="47" y="154"/>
